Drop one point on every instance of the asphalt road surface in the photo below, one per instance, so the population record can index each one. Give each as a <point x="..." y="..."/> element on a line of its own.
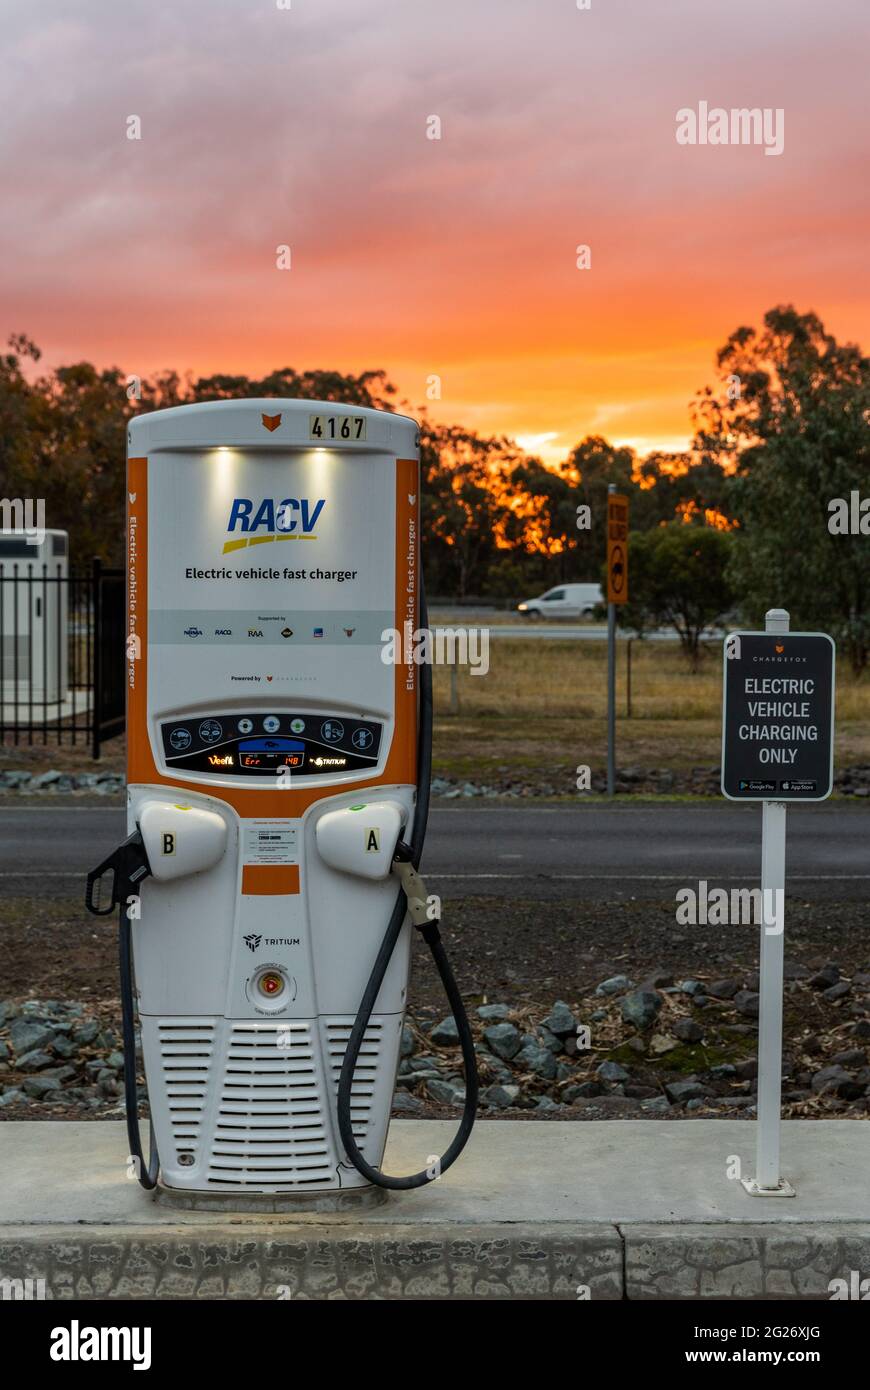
<point x="591" y="850"/>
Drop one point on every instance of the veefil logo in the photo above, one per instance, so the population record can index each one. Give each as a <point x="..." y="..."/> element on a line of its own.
<point x="292" y="519"/>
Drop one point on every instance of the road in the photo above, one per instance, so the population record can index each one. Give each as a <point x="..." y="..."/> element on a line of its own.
<point x="594" y="851"/>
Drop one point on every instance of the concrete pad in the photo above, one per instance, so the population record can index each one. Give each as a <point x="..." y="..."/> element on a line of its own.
<point x="532" y="1209"/>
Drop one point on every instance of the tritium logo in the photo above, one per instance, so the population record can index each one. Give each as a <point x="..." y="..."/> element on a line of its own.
<point x="252" y="941"/>
<point x="270" y="520"/>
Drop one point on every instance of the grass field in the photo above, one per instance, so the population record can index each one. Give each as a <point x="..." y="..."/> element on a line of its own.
<point x="546" y="702"/>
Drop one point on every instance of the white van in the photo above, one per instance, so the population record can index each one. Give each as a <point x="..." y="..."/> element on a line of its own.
<point x="566" y="601"/>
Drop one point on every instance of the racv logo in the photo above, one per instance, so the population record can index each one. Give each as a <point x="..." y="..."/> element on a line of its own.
<point x="256" y="523"/>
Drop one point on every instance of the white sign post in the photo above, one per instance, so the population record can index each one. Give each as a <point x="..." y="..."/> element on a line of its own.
<point x="770" y="677"/>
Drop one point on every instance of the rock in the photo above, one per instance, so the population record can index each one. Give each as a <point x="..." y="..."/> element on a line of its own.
<point x="445" y="1092"/>
<point x="406" y="1104"/>
<point x="583" y="1091"/>
<point x="115" y="1060"/>
<point x="85" y="1033"/>
<point x="535" y="1058"/>
<point x="837" y="991"/>
<point x="688" y="1031"/>
<point x="549" y="1040"/>
<point x="723" y="1072"/>
<point x="824" y="978"/>
<point x="445" y="1033"/>
<point x="26" y="1034"/>
<point x="501" y="1097"/>
<point x="493" y="1065"/>
<point x="746" y="1002"/>
<point x="641" y="1007"/>
<point x="836" y="1081"/>
<point x="659" y="979"/>
<point x="8" y="1010"/>
<point x="408" y="1044"/>
<point x="854" y="1057"/>
<point x="615" y="985"/>
<point x="681" y="1091"/>
<point x="662" y="1043"/>
<point x="547" y="1103"/>
<point x="690" y="987"/>
<point x="612" y="1071"/>
<point x="503" y="1039"/>
<point x="38" y="1087"/>
<point x="723" y="989"/>
<point x="12" y="1097"/>
<point x="494" y="1013"/>
<point x="560" y="1021"/>
<point x="45" y="779"/>
<point x="656" y="1106"/>
<point x="747" y="1070"/>
<point x="598" y="1016"/>
<point x="63" y="1046"/>
<point x="35" y="1061"/>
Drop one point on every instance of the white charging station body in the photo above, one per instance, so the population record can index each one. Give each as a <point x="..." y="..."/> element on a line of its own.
<point x="271" y="768"/>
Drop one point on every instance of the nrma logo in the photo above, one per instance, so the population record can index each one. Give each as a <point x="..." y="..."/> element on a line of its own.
<point x="292" y="519"/>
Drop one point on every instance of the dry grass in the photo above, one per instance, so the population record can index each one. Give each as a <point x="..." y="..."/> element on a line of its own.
<point x="548" y="699"/>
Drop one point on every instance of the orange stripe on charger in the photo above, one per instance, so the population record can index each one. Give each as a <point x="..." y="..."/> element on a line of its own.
<point x="266" y="879"/>
<point x="401" y="766"/>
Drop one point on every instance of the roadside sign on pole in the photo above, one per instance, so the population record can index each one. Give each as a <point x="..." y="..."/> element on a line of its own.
<point x="617" y="547"/>
<point x="777" y="746"/>
<point x="778" y="716"/>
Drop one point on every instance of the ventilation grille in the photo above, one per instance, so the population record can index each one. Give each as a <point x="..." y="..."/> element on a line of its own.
<point x="269" y="1127"/>
<point x="253" y="1102"/>
<point x="186" y="1052"/>
<point x="366" y="1075"/>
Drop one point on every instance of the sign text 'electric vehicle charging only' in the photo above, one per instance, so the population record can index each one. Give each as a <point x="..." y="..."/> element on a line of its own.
<point x="778" y="717"/>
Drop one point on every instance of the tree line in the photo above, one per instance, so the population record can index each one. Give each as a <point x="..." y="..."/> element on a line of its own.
<point x="736" y="524"/>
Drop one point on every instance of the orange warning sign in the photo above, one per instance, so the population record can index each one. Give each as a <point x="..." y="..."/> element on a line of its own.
<point x="617" y="548"/>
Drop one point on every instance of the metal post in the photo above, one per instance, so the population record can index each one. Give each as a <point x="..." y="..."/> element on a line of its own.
<point x="628" y="678"/>
<point x="768" y="1181"/>
<point x="611" y="689"/>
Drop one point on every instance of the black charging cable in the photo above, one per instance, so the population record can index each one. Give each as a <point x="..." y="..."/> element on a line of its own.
<point x="431" y="935"/>
<point x="128" y="865"/>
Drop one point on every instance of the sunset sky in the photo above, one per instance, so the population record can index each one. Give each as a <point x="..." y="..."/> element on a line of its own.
<point x="307" y="126"/>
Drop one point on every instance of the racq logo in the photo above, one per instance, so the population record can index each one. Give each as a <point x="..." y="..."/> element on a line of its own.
<point x="253" y="523"/>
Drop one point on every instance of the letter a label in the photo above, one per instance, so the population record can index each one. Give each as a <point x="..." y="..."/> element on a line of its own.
<point x="373" y="840"/>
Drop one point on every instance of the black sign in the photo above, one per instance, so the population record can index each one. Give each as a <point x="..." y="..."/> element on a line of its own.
<point x="778" y="716"/>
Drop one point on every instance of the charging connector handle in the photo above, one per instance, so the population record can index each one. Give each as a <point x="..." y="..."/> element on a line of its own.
<point x="413" y="887"/>
<point x="128" y="865"/>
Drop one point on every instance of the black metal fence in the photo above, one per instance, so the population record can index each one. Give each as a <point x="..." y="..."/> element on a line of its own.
<point x="61" y="651"/>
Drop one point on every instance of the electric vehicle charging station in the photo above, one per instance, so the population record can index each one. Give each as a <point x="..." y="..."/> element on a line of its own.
<point x="278" y="783"/>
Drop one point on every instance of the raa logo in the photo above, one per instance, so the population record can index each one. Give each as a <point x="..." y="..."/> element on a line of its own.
<point x="252" y="941"/>
<point x="271" y="422"/>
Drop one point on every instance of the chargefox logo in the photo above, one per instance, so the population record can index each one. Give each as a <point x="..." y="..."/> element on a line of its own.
<point x="292" y="518"/>
<point x="271" y="421"/>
